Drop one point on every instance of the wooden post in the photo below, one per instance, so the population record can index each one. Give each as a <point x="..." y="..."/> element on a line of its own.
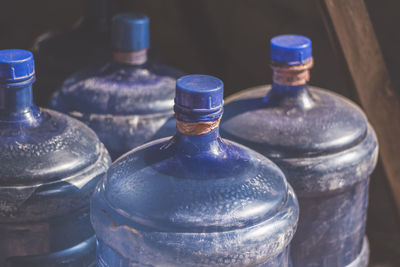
<point x="351" y="31"/>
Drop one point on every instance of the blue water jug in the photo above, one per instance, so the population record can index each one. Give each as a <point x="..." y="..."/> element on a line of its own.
<point x="50" y="165"/>
<point x="127" y="101"/>
<point x="194" y="199"/>
<point x="325" y="147"/>
<point x="87" y="43"/>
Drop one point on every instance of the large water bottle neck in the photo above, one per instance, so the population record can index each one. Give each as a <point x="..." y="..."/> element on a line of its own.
<point x="201" y="131"/>
<point x="200" y="138"/>
<point x="198" y="110"/>
<point x="198" y="125"/>
<point x="16" y="102"/>
<point x="130" y="38"/>
<point x="290" y="86"/>
<point x="97" y="14"/>
<point x="133" y="58"/>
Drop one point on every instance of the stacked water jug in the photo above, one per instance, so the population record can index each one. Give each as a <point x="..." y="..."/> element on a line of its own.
<point x="324" y="145"/>
<point x="284" y="184"/>
<point x="127" y="101"/>
<point x="51" y="164"/>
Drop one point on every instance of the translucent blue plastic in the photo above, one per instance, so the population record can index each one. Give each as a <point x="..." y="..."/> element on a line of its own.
<point x="16" y="65"/>
<point x="130" y="32"/>
<point x="50" y="165"/>
<point x="194" y="200"/>
<point x="127" y="105"/>
<point x="61" y="53"/>
<point x="327" y="150"/>
<point x="290" y="49"/>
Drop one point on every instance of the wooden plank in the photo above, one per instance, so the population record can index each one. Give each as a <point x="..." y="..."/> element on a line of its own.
<point x="352" y="33"/>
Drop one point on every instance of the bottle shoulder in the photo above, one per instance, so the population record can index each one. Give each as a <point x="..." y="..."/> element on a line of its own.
<point x="118" y="89"/>
<point x="157" y="186"/>
<point x="55" y="148"/>
<point x="332" y="124"/>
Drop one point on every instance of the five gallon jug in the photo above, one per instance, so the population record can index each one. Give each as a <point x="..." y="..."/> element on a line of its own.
<point x="59" y="54"/>
<point x="128" y="101"/>
<point x="194" y="199"/>
<point x="50" y="165"/>
<point x="325" y="147"/>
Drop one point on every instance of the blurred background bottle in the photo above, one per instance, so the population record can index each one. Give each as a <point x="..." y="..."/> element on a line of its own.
<point x="127" y="101"/>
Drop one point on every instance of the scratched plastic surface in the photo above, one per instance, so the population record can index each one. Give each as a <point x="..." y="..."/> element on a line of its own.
<point x="194" y="200"/>
<point x="327" y="150"/>
<point x="50" y="165"/>
<point x="61" y="53"/>
<point x="126" y="105"/>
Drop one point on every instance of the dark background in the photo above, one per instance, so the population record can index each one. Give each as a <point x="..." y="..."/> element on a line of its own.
<point x="229" y="39"/>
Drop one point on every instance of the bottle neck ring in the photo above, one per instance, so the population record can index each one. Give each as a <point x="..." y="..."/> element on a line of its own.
<point x="17" y="96"/>
<point x="138" y="57"/>
<point x="16" y="103"/>
<point x="197" y="128"/>
<point x="296" y="75"/>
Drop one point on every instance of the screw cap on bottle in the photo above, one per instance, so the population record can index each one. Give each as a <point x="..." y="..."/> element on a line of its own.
<point x="16" y="65"/>
<point x="290" y="49"/>
<point x="130" y="32"/>
<point x="199" y="96"/>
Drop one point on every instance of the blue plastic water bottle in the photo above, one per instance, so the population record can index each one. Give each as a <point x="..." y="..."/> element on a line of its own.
<point x="87" y="43"/>
<point x="325" y="147"/>
<point x="194" y="199"/>
<point x="50" y="165"/>
<point x="128" y="101"/>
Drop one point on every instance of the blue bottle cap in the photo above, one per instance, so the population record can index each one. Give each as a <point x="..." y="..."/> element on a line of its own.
<point x="199" y="97"/>
<point x="16" y="65"/>
<point x="130" y="32"/>
<point x="290" y="49"/>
